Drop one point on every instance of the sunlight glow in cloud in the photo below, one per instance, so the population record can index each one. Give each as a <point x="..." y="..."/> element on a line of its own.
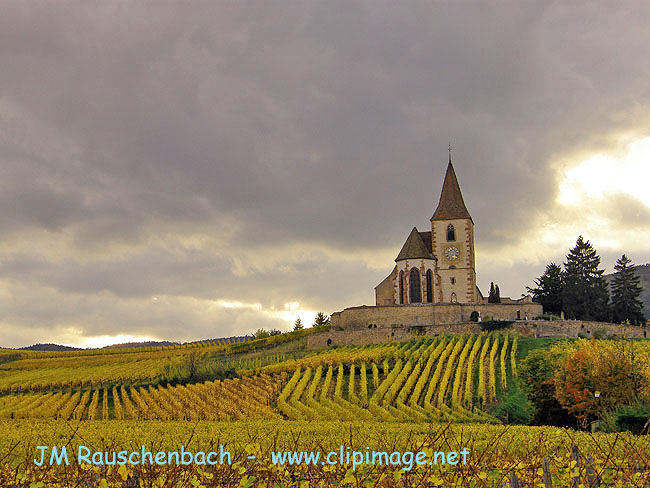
<point x="239" y="305"/>
<point x="107" y="340"/>
<point x="289" y="314"/>
<point x="601" y="197"/>
<point x="604" y="173"/>
<point x="292" y="311"/>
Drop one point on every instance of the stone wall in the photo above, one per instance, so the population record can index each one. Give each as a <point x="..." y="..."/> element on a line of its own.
<point x="381" y="335"/>
<point x="385" y="291"/>
<point x="503" y="311"/>
<point x="578" y="328"/>
<point x="366" y="317"/>
<point x="537" y="328"/>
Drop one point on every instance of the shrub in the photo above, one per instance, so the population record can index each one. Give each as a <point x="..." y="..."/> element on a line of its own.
<point x="516" y="408"/>
<point x="633" y="417"/>
<point x="600" y="333"/>
<point x="490" y="325"/>
<point x="548" y="316"/>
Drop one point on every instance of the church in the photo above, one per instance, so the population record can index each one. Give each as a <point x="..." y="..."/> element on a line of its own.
<point x="433" y="280"/>
<point x="436" y="266"/>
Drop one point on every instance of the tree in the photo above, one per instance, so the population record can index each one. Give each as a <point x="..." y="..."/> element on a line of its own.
<point x="495" y="294"/>
<point x="260" y="334"/>
<point x="626" y="289"/>
<point x="612" y="369"/>
<point x="297" y="325"/>
<point x="586" y="295"/>
<point x="537" y="372"/>
<point x="321" y="319"/>
<point x="549" y="289"/>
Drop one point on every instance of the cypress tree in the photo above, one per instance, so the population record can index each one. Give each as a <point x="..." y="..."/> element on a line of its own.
<point x="495" y="294"/>
<point x="626" y="289"/>
<point x="492" y="293"/>
<point x="586" y="295"/>
<point x="549" y="289"/>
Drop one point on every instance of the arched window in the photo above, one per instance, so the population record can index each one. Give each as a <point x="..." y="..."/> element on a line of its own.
<point x="429" y="286"/>
<point x="451" y="233"/>
<point x="415" y="294"/>
<point x="453" y="297"/>
<point x="401" y="287"/>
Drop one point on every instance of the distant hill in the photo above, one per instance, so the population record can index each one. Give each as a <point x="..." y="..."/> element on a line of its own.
<point x="644" y="272"/>
<point x="141" y="344"/>
<point x="58" y="347"/>
<point x="49" y="347"/>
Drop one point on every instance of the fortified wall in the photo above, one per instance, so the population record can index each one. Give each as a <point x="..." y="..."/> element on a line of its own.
<point x="337" y="336"/>
<point x="366" y="317"/>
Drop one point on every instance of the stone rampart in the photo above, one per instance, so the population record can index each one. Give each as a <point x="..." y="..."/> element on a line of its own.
<point x="366" y="317"/>
<point x="537" y="328"/>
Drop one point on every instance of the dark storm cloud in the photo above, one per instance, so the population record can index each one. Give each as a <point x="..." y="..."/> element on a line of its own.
<point x="157" y="148"/>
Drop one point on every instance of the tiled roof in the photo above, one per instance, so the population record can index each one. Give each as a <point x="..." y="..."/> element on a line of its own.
<point x="426" y="238"/>
<point x="414" y="247"/>
<point x="451" y="205"/>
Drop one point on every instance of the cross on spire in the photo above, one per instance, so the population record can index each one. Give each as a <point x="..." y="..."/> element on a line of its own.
<point x="450" y="152"/>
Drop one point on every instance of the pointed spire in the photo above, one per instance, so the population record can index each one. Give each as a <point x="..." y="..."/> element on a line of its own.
<point x="414" y="247"/>
<point x="451" y="205"/>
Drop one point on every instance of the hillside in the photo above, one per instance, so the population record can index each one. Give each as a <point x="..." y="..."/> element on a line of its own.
<point x="131" y="345"/>
<point x="644" y="273"/>
<point x="273" y="393"/>
<point x="455" y="378"/>
<point x="49" y="347"/>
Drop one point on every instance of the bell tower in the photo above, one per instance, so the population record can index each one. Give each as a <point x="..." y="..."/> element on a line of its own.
<point x="452" y="242"/>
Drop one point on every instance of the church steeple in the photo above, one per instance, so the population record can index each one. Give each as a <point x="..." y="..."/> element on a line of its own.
<point x="451" y="205"/>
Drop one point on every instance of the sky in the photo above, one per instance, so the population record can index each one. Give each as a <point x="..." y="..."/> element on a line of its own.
<point x="184" y="171"/>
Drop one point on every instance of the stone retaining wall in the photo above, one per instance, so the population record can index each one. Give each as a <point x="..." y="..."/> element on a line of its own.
<point x="427" y="314"/>
<point x="537" y="328"/>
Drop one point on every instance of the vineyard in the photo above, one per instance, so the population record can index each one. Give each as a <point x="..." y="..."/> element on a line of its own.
<point x="496" y="452"/>
<point x="430" y="394"/>
<point x="440" y="379"/>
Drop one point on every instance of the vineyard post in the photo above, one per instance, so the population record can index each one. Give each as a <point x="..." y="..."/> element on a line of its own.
<point x="575" y="456"/>
<point x="546" y="471"/>
<point x="592" y="477"/>
<point x="514" y="481"/>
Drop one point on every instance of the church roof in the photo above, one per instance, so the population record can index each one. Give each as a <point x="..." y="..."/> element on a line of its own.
<point x="451" y="205"/>
<point x="426" y="238"/>
<point x="414" y="247"/>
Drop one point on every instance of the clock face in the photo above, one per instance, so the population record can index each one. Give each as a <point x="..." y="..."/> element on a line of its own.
<point x="452" y="253"/>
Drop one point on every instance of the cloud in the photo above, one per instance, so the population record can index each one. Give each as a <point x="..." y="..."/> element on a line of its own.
<point x="281" y="153"/>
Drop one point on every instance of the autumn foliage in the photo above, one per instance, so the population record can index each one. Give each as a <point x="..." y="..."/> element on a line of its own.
<point x="613" y="369"/>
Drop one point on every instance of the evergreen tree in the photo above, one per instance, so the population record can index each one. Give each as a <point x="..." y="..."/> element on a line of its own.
<point x="495" y="294"/>
<point x="321" y="319"/>
<point x="297" y="325"/>
<point x="626" y="289"/>
<point x="549" y="289"/>
<point x="586" y="295"/>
